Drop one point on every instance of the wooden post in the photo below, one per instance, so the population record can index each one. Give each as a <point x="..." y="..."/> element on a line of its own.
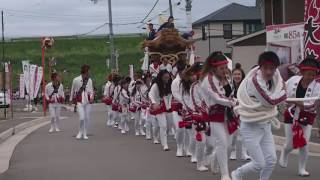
<point x="44" y="101"/>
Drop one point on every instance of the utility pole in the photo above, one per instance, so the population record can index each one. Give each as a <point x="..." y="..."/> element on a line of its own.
<point x="4" y="68"/>
<point x="188" y="14"/>
<point x="170" y="7"/>
<point x="112" y="57"/>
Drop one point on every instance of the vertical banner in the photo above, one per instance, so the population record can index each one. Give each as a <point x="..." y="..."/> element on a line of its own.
<point x="21" y="86"/>
<point x="26" y="72"/>
<point x="131" y="71"/>
<point x="312" y="29"/>
<point x="38" y="81"/>
<point x="32" y="75"/>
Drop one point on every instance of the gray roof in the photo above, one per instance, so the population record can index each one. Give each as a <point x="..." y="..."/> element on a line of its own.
<point x="231" y="12"/>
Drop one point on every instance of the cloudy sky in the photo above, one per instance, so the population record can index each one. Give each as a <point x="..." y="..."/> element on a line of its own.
<point x="25" y="18"/>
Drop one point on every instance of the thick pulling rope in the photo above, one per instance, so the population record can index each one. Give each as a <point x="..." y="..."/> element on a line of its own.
<point x="171" y="58"/>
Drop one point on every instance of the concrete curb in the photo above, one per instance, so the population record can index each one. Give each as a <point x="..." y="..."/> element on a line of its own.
<point x="7" y="147"/>
<point x="314" y="148"/>
<point x="12" y="131"/>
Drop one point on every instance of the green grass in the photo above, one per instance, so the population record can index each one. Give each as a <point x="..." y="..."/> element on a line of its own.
<point x="72" y="53"/>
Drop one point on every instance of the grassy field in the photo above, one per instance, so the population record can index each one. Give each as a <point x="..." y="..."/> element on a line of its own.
<point x="72" y="53"/>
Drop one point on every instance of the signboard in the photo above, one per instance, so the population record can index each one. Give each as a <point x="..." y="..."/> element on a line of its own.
<point x="285" y="32"/>
<point x="312" y="29"/>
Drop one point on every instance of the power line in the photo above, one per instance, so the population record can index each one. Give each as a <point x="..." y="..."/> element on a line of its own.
<point x="155" y="4"/>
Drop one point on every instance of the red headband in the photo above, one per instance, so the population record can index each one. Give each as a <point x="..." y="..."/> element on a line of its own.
<point x="267" y="61"/>
<point x="305" y="68"/>
<point x="215" y="64"/>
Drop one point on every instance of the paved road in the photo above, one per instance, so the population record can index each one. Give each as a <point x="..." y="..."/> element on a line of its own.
<point x="110" y="155"/>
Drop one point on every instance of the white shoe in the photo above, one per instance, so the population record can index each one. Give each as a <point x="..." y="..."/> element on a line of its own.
<point x="115" y="125"/>
<point x="156" y="141"/>
<point x="165" y="148"/>
<point x="123" y="131"/>
<point x="179" y="153"/>
<point x="148" y="138"/>
<point x="283" y="162"/>
<point x="188" y="153"/>
<point x="202" y="168"/>
<point x="304" y="173"/>
<point x="51" y="130"/>
<point x="79" y="135"/>
<point x="137" y="134"/>
<point x="85" y="137"/>
<point x="57" y="129"/>
<point x="234" y="176"/>
<point x="142" y="133"/>
<point x="193" y="159"/>
<point x="245" y="157"/>
<point x="233" y="155"/>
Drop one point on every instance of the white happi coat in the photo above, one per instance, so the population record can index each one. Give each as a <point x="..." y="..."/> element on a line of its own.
<point x="167" y="67"/>
<point x="154" y="71"/>
<point x="313" y="90"/>
<point x="214" y="95"/>
<point x="116" y="94"/>
<point x="87" y="94"/>
<point x="176" y="88"/>
<point x="124" y="98"/>
<point x="108" y="89"/>
<point x="55" y="96"/>
<point x="155" y="98"/>
<point x="196" y="97"/>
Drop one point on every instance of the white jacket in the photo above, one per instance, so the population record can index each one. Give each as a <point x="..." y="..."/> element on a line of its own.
<point x="196" y="96"/>
<point x="155" y="98"/>
<point x="88" y="92"/>
<point x="124" y="98"/>
<point x="313" y="90"/>
<point x="116" y="94"/>
<point x="54" y="96"/>
<point x="176" y="89"/>
<point x="108" y="89"/>
<point x="214" y="94"/>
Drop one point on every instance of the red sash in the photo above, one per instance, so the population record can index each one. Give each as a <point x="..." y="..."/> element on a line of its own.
<point x="298" y="136"/>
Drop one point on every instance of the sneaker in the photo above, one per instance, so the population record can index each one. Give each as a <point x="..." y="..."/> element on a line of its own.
<point x="123" y="131"/>
<point x="165" y="148"/>
<point x="79" y="135"/>
<point x="179" y="153"/>
<point x="142" y="133"/>
<point x="188" y="153"/>
<point x="202" y="168"/>
<point x="137" y="134"/>
<point x="85" y="137"/>
<point x="156" y="141"/>
<point x="304" y="173"/>
<point x="57" y="129"/>
<point x="225" y="177"/>
<point x="233" y="155"/>
<point x="245" y="157"/>
<point x="51" y="130"/>
<point x="148" y="138"/>
<point x="193" y="159"/>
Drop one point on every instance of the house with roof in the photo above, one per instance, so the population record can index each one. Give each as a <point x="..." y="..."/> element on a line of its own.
<point x="247" y="48"/>
<point x="232" y="21"/>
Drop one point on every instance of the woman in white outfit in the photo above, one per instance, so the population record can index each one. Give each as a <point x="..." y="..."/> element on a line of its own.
<point x="237" y="76"/>
<point x="124" y="100"/>
<point x="216" y="89"/>
<point x="258" y="95"/>
<point x="115" y="101"/>
<point x="301" y="115"/>
<point x="160" y="97"/>
<point x="55" y="97"/>
<point x="83" y="96"/>
<point x="136" y="107"/>
<point x="107" y="99"/>
<point x="176" y="104"/>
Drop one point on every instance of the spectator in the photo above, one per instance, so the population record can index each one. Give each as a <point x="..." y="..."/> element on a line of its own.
<point x="152" y="32"/>
<point x="167" y="25"/>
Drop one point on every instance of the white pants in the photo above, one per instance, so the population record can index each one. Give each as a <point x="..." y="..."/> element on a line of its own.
<point x="124" y="123"/>
<point x="84" y="117"/>
<point x="180" y="132"/>
<point x="116" y="117"/>
<point x="54" y="110"/>
<point x="191" y="133"/>
<point x="259" y="142"/>
<point x="234" y="143"/>
<point x="163" y="121"/>
<point x="200" y="150"/>
<point x="139" y="121"/>
<point x="303" y="152"/>
<point x="109" y="115"/>
<point x="222" y="140"/>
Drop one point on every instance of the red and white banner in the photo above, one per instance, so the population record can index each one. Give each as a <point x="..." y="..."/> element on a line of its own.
<point x="38" y="79"/>
<point x="312" y="29"/>
<point x="21" y="86"/>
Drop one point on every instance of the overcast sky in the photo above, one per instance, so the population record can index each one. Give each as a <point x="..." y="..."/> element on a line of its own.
<point x="24" y="18"/>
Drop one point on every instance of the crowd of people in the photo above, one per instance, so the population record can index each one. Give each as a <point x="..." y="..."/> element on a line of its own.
<point x="207" y="108"/>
